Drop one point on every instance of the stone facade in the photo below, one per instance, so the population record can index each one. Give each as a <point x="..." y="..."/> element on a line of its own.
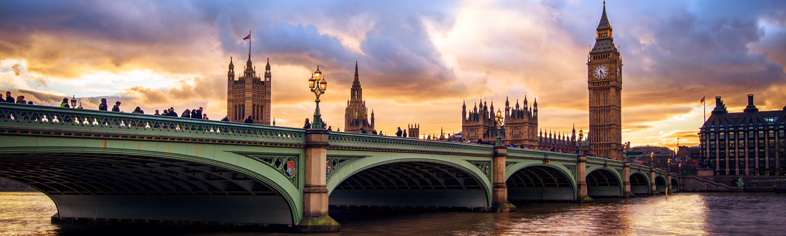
<point x="478" y="124"/>
<point x="604" y="81"/>
<point x="248" y="95"/>
<point x="519" y="129"/>
<point x="413" y="130"/>
<point x="356" y="118"/>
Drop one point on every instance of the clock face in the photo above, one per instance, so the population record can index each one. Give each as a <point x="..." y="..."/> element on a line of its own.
<point x="601" y="72"/>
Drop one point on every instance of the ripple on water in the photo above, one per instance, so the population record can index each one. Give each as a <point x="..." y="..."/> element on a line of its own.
<point x="28" y="213"/>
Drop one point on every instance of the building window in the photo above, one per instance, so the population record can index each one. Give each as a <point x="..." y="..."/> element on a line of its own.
<point x="750" y="134"/>
<point x="770" y="119"/>
<point x="722" y="136"/>
<point x="761" y="134"/>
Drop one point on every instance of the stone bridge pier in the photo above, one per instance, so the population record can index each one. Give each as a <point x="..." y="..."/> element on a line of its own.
<point x="500" y="192"/>
<point x="653" y="187"/>
<point x="626" y="180"/>
<point x="315" y="193"/>
<point x="581" y="180"/>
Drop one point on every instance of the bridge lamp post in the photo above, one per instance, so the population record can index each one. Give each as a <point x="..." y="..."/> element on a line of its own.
<point x="499" y="120"/>
<point x="318" y="86"/>
<point x="668" y="164"/>
<point x="73" y="101"/>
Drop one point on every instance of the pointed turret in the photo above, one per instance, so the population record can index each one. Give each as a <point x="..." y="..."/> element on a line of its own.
<point x="231" y="71"/>
<point x="268" y="75"/>
<point x="604" y="21"/>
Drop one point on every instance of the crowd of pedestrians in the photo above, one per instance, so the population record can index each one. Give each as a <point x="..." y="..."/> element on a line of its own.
<point x="188" y="113"/>
<point x="10" y="99"/>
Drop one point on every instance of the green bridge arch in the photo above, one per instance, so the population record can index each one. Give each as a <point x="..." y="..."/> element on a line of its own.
<point x="559" y="167"/>
<point x="212" y="155"/>
<point x="356" y="163"/>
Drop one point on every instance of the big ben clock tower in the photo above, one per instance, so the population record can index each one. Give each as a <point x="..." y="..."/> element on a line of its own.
<point x="604" y="81"/>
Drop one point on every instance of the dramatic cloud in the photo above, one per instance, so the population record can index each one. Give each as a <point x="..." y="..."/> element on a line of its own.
<point x="418" y="60"/>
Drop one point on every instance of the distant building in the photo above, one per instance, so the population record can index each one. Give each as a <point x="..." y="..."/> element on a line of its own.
<point x="687" y="158"/>
<point x="519" y="129"/>
<point x="744" y="143"/>
<point x="249" y="95"/>
<point x="413" y="130"/>
<point x="651" y="155"/>
<point x="356" y="118"/>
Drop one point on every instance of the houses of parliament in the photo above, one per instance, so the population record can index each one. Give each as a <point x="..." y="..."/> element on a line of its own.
<point x="520" y="128"/>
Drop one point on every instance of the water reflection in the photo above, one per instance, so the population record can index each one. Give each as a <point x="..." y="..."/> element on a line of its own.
<point x="681" y="214"/>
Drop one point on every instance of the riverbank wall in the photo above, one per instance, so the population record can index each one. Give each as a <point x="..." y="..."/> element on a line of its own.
<point x="728" y="183"/>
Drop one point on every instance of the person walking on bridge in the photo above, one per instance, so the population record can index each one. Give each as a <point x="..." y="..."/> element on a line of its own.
<point x="8" y="97"/>
<point x="116" y="108"/>
<point x="65" y="103"/>
<point x="102" y="106"/>
<point x="249" y="120"/>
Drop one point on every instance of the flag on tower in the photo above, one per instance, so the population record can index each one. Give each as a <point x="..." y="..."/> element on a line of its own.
<point x="702" y="99"/>
<point x="248" y="36"/>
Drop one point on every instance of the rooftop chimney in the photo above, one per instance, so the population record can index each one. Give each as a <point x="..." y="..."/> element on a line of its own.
<point x="751" y="107"/>
<point x="719" y="107"/>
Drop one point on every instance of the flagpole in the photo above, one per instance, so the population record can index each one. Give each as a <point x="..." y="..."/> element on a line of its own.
<point x="702" y="102"/>
<point x="249" y="44"/>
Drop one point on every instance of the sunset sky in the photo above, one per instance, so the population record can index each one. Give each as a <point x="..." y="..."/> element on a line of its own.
<point x="418" y="60"/>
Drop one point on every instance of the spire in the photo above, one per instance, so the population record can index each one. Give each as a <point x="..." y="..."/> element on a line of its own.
<point x="267" y="66"/>
<point x="356" y="72"/>
<point x="604" y="21"/>
<point x="231" y="65"/>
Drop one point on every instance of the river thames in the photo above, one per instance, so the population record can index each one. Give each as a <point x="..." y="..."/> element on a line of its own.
<point x="28" y="213"/>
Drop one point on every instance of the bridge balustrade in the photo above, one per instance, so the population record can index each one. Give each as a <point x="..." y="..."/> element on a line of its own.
<point x="55" y="119"/>
<point x="367" y="141"/>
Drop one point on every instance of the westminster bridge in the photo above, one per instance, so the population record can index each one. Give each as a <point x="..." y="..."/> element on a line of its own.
<point x="120" y="167"/>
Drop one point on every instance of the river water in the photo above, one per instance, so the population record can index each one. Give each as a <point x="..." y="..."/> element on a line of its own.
<point x="28" y="213"/>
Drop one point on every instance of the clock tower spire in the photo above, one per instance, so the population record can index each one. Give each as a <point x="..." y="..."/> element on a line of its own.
<point x="604" y="81"/>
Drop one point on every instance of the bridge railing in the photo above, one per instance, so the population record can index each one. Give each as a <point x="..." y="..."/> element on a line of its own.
<point x="354" y="140"/>
<point x="56" y="119"/>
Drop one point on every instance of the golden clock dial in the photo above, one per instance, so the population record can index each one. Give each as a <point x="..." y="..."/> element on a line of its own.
<point x="600" y="72"/>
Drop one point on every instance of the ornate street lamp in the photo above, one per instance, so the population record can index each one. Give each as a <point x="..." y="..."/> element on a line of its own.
<point x="318" y="86"/>
<point x="499" y="120"/>
<point x="73" y="101"/>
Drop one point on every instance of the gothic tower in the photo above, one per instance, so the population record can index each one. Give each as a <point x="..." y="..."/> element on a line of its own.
<point x="249" y="95"/>
<point x="356" y="114"/>
<point x="604" y="81"/>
